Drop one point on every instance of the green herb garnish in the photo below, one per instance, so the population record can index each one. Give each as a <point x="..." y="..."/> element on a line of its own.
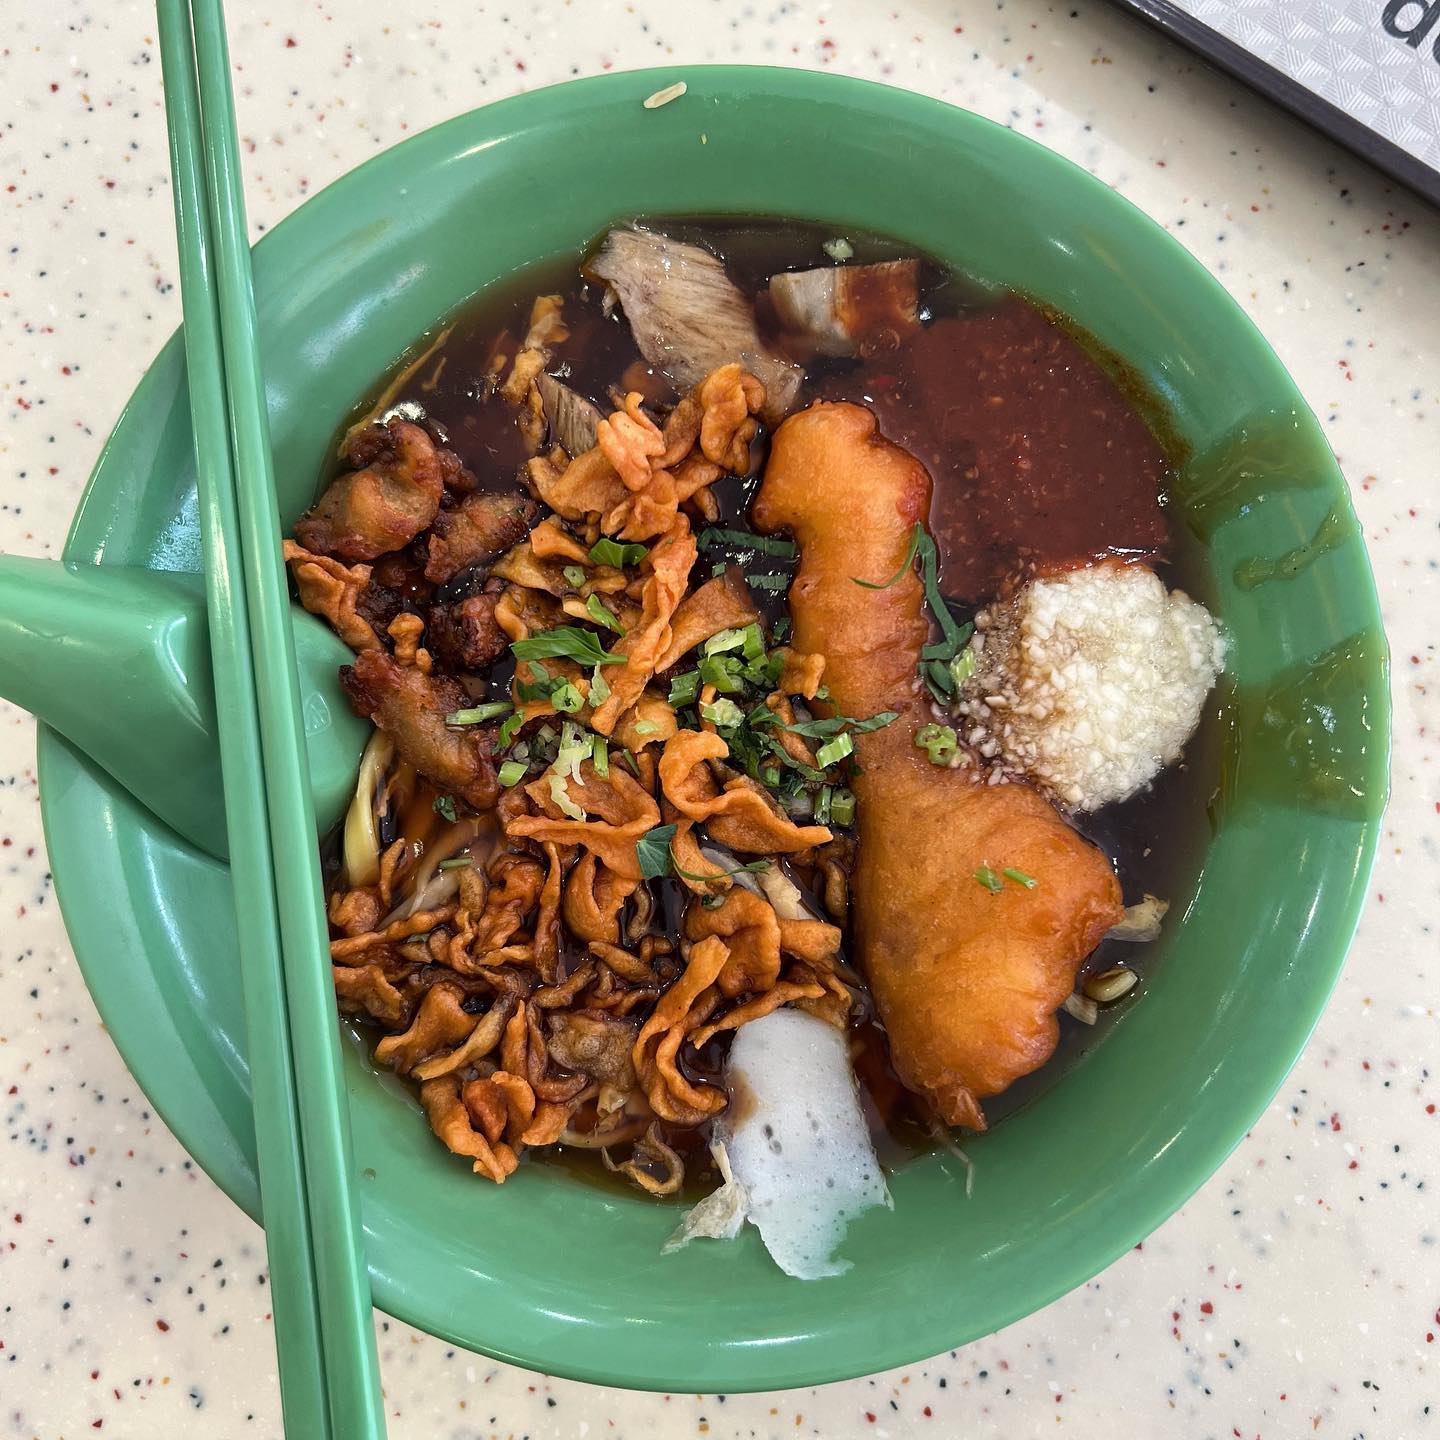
<point x="478" y="714"/>
<point x="509" y="729"/>
<point x="512" y="772"/>
<point x="822" y="805"/>
<point x="820" y="729"/>
<point x="445" y="808"/>
<point x="753" y="868"/>
<point x="842" y="808"/>
<point x="769" y="582"/>
<point x="603" y="615"/>
<point x="574" y="576"/>
<point x="724" y="714"/>
<point x="612" y="553"/>
<point x="567" y="699"/>
<point x="685" y="688"/>
<point x="780" y="631"/>
<point x="722" y="641"/>
<point x="916" y="535"/>
<point x="1020" y="877"/>
<point x="962" y="667"/>
<point x="599" y="690"/>
<point x="939" y="742"/>
<point x="459" y="862"/>
<point x="723" y="672"/>
<point x="568" y="642"/>
<point x="652" y="850"/>
<point x="989" y="879"/>
<point x="834" y="750"/>
<point x="710" y="538"/>
<point x="600" y="755"/>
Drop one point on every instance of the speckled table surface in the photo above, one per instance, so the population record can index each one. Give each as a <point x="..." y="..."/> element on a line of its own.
<point x="1296" y="1294"/>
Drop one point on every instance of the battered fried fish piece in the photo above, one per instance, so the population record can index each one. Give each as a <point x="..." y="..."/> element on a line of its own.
<point x="479" y="528"/>
<point x="967" y="982"/>
<point x="411" y="708"/>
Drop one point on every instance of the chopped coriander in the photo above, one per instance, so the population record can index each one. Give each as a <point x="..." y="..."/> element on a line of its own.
<point x="567" y="699"/>
<point x="764" y="672"/>
<point x="744" y="540"/>
<point x="834" y="750"/>
<point x="600" y="755"/>
<point x="916" y="535"/>
<point x="567" y="641"/>
<point x="684" y="688"/>
<point x="725" y="714"/>
<point x="842" y="808"/>
<point x="652" y="851"/>
<point x="722" y="641"/>
<point x="822" y="805"/>
<point x="508" y="729"/>
<point x="612" y="553"/>
<point x="985" y="876"/>
<point x="574" y="576"/>
<point x="445" y="807"/>
<point x="603" y="615"/>
<point x="599" y="689"/>
<point x="478" y="714"/>
<point x="457" y="862"/>
<point x="939" y="742"/>
<point x="723" y="672"/>
<point x="770" y="582"/>
<point x="1020" y="877"/>
<point x="820" y="729"/>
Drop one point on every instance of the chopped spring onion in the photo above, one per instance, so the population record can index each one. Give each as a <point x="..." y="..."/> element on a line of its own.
<point x="478" y="714"/>
<point x="780" y="631"/>
<point x="962" y="667"/>
<point x="612" y="553"/>
<point x="765" y="673"/>
<point x="600" y="755"/>
<point x="561" y="796"/>
<point x="807" y="772"/>
<point x="744" y="540"/>
<point x="574" y="750"/>
<point x="916" y="536"/>
<point x="939" y="742"/>
<point x="770" y="776"/>
<point x="509" y="728"/>
<point x="574" y="575"/>
<point x="631" y="761"/>
<point x="725" y="714"/>
<point x="723" y="672"/>
<point x="770" y="582"/>
<point x="652" y="851"/>
<point x="567" y="699"/>
<point x="985" y="876"/>
<point x="754" y="648"/>
<point x="1020" y="877"/>
<point x="953" y="632"/>
<point x="645" y="727"/>
<point x="819" y="729"/>
<point x="599" y="690"/>
<point x="842" y="808"/>
<point x="685" y="688"/>
<point x="445" y="808"/>
<point x="603" y="615"/>
<point x="718" y="569"/>
<point x="834" y="750"/>
<point x="569" y="642"/>
<point x="822" y="805"/>
<point x="722" y="641"/>
<point x="512" y="772"/>
<point x="457" y="862"/>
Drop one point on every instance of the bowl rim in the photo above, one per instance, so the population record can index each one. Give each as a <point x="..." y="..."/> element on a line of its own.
<point x="184" y="1112"/>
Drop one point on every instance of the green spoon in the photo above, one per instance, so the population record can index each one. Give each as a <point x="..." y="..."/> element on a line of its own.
<point x="118" y="661"/>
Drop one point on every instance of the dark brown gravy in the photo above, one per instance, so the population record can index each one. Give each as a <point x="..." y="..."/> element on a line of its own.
<point x="1039" y="455"/>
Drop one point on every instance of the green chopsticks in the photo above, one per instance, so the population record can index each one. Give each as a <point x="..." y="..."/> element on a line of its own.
<point x="324" y="1334"/>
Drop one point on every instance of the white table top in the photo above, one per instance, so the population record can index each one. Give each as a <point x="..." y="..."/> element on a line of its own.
<point x="1296" y="1294"/>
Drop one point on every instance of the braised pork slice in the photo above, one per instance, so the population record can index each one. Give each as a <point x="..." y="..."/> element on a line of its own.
<point x="967" y="981"/>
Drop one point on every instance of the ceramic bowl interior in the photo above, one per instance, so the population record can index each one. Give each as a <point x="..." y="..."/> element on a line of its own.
<point x="558" y="1275"/>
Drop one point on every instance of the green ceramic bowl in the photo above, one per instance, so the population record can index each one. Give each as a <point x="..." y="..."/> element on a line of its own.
<point x="559" y="1276"/>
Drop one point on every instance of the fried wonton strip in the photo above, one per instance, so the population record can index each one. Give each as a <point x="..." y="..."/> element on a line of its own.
<point x="501" y="1104"/>
<point x="547" y="328"/>
<point x="632" y="968"/>
<point x="649" y="721"/>
<point x="785" y="992"/>
<point x="967" y="982"/>
<point x="629" y="439"/>
<point x="739" y="816"/>
<point x="368" y="990"/>
<point x="586" y="488"/>
<point x="331" y="590"/>
<point x="723" y="603"/>
<point x="730" y="397"/>
<point x="441" y="1023"/>
<point x="355" y="912"/>
<point x="671" y="1095"/>
<point x="451" y="1122"/>
<point x="624" y="809"/>
<point x="549" y="542"/>
<point x="521" y="565"/>
<point x="666" y="570"/>
<point x="802" y="674"/>
<point x="747" y="925"/>
<point x="546" y="937"/>
<point x="418" y="924"/>
<point x="811" y="940"/>
<point x="594" y="896"/>
<point x="478" y="1044"/>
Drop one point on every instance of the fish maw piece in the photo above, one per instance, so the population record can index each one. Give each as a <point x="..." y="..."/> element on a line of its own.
<point x="849" y="309"/>
<point x="797" y="1140"/>
<point x="687" y="315"/>
<point x="967" y="982"/>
